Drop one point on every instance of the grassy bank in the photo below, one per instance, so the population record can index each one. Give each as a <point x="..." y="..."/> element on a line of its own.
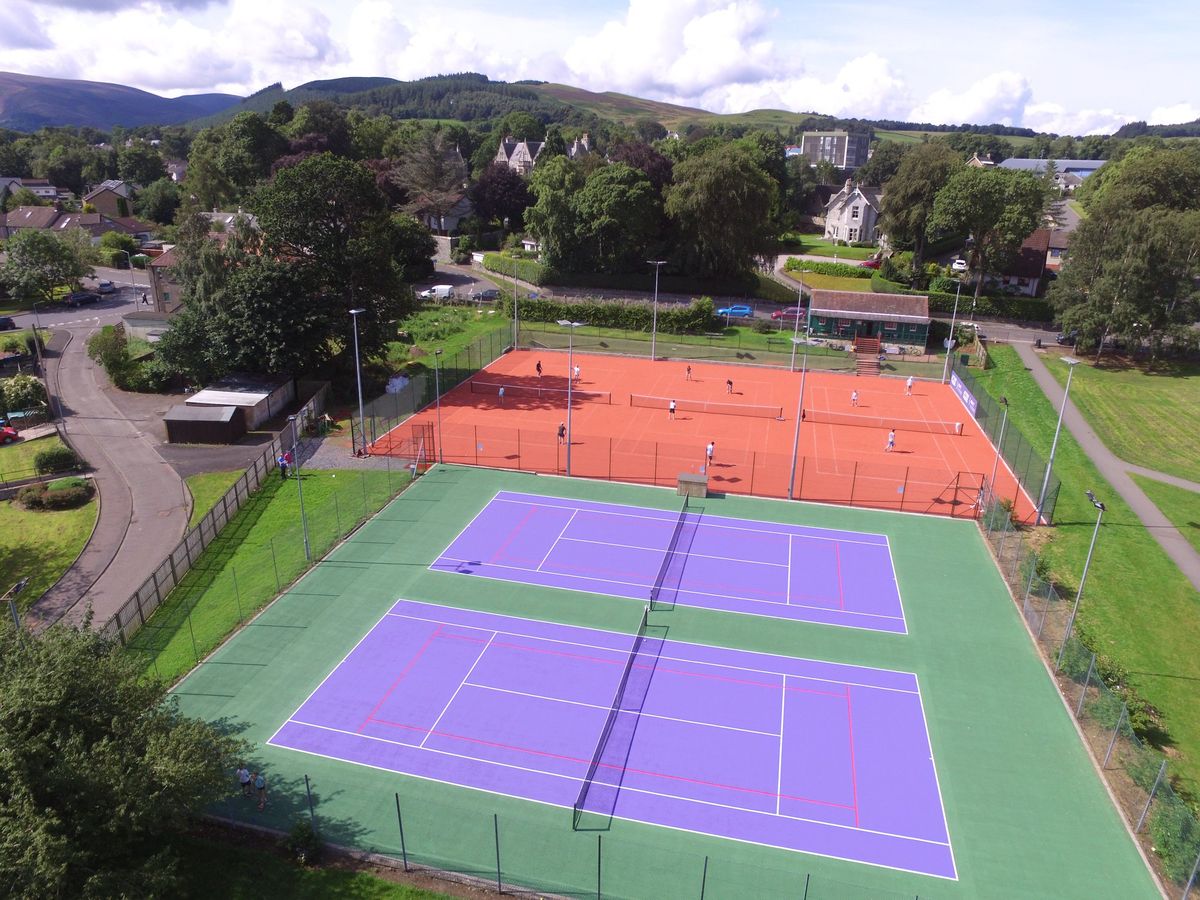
<point x="446" y="328"/>
<point x="1138" y="609"/>
<point x="1179" y="505"/>
<point x="16" y="460"/>
<point x="815" y="245"/>
<point x="41" y="545"/>
<point x="206" y="489"/>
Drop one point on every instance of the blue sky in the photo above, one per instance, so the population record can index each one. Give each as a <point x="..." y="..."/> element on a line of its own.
<point x="1070" y="67"/>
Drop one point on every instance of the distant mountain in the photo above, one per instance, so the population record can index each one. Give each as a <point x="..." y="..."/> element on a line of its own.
<point x="30" y="102"/>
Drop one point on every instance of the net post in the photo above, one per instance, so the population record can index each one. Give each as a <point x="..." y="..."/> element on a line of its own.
<point x="496" y="828"/>
<point x="807" y="878"/>
<point x="704" y="878"/>
<point x="312" y="813"/>
<point x="400" y="822"/>
<point x="853" y="482"/>
<point x="599" y="893"/>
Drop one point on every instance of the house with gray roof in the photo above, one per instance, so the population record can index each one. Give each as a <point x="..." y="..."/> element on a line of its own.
<point x="852" y="214"/>
<point x="1068" y="173"/>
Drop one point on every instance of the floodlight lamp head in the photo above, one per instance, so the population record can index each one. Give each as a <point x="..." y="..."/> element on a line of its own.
<point x="355" y="312"/>
<point x="1004" y="401"/>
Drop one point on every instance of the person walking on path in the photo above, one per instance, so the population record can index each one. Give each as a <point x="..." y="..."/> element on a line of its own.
<point x="729" y="385"/>
<point x="687" y="375"/>
<point x="891" y="444"/>
<point x="539" y="368"/>
<point x="243" y="775"/>
<point x="288" y="458"/>
<point x="671" y="411"/>
<point x="576" y="373"/>
<point x="260" y="788"/>
<point x="854" y="398"/>
<point x="908" y="387"/>
<point x="283" y="466"/>
<point x="562" y="433"/>
<point x="145" y="299"/>
<point x="709" y="450"/>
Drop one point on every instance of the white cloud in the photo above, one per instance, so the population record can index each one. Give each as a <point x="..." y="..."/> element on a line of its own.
<point x="997" y="98"/>
<point x="20" y="30"/>
<point x="1177" y="114"/>
<point x="1055" y="118"/>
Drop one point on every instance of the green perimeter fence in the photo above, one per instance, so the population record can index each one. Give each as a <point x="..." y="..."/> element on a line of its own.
<point x="197" y="596"/>
<point x="1137" y="774"/>
<point x="1026" y="463"/>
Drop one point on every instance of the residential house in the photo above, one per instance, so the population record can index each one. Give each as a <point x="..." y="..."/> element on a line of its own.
<point x="520" y="156"/>
<point x="52" y="218"/>
<point x="177" y="169"/>
<point x="981" y="162"/>
<point x="37" y="217"/>
<point x="1068" y="173"/>
<point x="852" y="214"/>
<point x="844" y="149"/>
<point x="581" y="146"/>
<point x="220" y="220"/>
<point x="1056" y="250"/>
<point x="899" y="321"/>
<point x="164" y="289"/>
<point x="792" y="150"/>
<point x="445" y="224"/>
<point x="8" y="184"/>
<point x="42" y="189"/>
<point x="1026" y="274"/>
<point x="113" y="198"/>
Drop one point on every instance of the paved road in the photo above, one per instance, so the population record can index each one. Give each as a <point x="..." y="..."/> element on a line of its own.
<point x="1117" y="472"/>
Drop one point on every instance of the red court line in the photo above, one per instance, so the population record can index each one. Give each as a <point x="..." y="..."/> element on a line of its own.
<point x="512" y="534"/>
<point x="587" y="762"/>
<point x="853" y="772"/>
<point x="403" y="672"/>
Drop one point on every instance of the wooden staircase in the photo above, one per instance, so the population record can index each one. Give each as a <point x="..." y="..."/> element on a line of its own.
<point x="866" y="351"/>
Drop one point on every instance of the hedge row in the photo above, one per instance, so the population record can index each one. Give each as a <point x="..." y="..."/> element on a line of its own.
<point x="1025" y="308"/>
<point x="695" y="318"/>
<point x="841" y="270"/>
<point x="526" y="270"/>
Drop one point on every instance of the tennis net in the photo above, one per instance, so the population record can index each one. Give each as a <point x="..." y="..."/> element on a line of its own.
<point x="656" y="591"/>
<point x="614" y="711"/>
<point x="527" y="392"/>
<point x="828" y="417"/>
<point x="708" y="406"/>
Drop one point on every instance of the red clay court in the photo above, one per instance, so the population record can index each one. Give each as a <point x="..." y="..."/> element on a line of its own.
<point x="622" y="431"/>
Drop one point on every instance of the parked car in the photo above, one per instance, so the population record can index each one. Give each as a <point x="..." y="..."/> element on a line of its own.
<point x="737" y="311"/>
<point x="105" y="287"/>
<point x="790" y="313"/>
<point x="959" y="265"/>
<point x="871" y="263"/>
<point x="488" y="295"/>
<point x="7" y="324"/>
<point x="79" y="298"/>
<point x="438" y="292"/>
<point x="1067" y="338"/>
<point x="8" y="434"/>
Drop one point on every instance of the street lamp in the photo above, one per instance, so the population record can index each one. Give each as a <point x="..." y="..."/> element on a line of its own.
<point x="300" y="486"/>
<point x="129" y="259"/>
<point x="362" y="422"/>
<point x="999" y="442"/>
<point x="1082" y="578"/>
<point x="513" y="277"/>
<point x="437" y="390"/>
<point x="567" y="323"/>
<point x="658" y="264"/>
<point x="799" y="400"/>
<point x="1071" y="362"/>
<point x="950" y="340"/>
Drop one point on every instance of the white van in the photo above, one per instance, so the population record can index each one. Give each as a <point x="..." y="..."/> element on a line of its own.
<point x="438" y="292"/>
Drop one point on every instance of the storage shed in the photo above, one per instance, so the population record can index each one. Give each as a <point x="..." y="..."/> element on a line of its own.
<point x="204" y="424"/>
<point x="261" y="396"/>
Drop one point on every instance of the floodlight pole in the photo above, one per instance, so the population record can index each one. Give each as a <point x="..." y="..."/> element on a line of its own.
<point x="796" y="328"/>
<point x="799" y="401"/>
<point x="437" y="390"/>
<point x="567" y="323"/>
<point x="1071" y="364"/>
<point x="999" y="442"/>
<point x="300" y="486"/>
<point x="658" y="264"/>
<point x="1082" y="578"/>
<point x="362" y="422"/>
<point x="950" y="340"/>
<point x="129" y="259"/>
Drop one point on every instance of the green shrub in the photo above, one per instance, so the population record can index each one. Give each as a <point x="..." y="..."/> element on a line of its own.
<point x="523" y="269"/>
<point x="765" y="326"/>
<point x="1025" y="308"/>
<point x="1176" y="836"/>
<point x="695" y="318"/>
<point x="55" y="459"/>
<point x="22" y="392"/>
<point x="303" y="843"/>
<point x="68" y="497"/>
<point x="841" y="270"/>
<point x="31" y="496"/>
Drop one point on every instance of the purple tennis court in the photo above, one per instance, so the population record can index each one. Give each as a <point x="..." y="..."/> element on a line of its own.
<point x="810" y="756"/>
<point x="820" y="575"/>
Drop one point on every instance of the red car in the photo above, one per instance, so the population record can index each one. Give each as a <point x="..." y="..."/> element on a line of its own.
<point x="790" y="312"/>
<point x="8" y="434"/>
<point x="871" y="264"/>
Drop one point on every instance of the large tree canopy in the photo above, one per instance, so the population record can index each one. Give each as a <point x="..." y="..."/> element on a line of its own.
<point x="40" y="261"/>
<point x="911" y="191"/>
<point x="97" y="769"/>
<point x="618" y="212"/>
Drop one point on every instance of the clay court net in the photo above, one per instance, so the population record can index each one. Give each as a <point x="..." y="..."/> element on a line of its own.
<point x="827" y="417"/>
<point x="707" y="406"/>
<point x="525" y="392"/>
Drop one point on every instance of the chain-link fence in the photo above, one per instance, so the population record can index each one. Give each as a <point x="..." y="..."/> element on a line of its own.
<point x="1027" y="464"/>
<point x="1137" y="774"/>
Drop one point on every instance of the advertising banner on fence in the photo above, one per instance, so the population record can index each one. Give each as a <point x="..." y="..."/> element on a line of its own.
<point x="964" y="394"/>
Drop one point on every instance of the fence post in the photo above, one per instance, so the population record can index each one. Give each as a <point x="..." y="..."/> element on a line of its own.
<point x="275" y="566"/>
<point x="400" y="822"/>
<point x="312" y="815"/>
<point x="799" y="495"/>
<point x="853" y="482"/>
<point x="599" y="894"/>
<point x="1162" y="770"/>
<point x="807" y="878"/>
<point x="1062" y="652"/>
<point x="237" y="594"/>
<point x="704" y="877"/>
<point x="496" y="826"/>
<point x="1086" y="681"/>
<point x="1187" y="890"/>
<point x="1116" y="734"/>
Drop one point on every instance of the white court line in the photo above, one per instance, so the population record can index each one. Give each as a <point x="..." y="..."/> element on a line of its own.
<point x="896" y="582"/>
<point x="446" y="708"/>
<point x="680" y="659"/>
<point x="788" y="587"/>
<point x="604" y="580"/>
<point x="557" y="539"/>
<point x="578" y="780"/>
<point x="734" y="559"/>
<point x="640" y="715"/>
<point x="936" y="781"/>
<point x="708" y="523"/>
<point x="782" y="712"/>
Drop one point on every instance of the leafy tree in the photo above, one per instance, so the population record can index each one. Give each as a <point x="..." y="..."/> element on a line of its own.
<point x="553" y="217"/>
<point x="323" y="118"/>
<point x="884" y="163"/>
<point x="801" y="183"/>
<point x="40" y="261"/>
<point x="617" y="213"/>
<point x="98" y="769"/>
<point x="368" y="136"/>
<point x="140" y="163"/>
<point x="649" y="131"/>
<point x="116" y="240"/>
<point x="432" y="174"/>
<point x="554" y="145"/>
<point x="414" y="247"/>
<point x="158" y="201"/>
<point x="227" y="161"/>
<point x="827" y="173"/>
<point x="523" y="126"/>
<point x="21" y="392"/>
<point x="22" y="196"/>
<point x="281" y="114"/>
<point x="721" y="202"/>
<point x="909" y="199"/>
<point x="642" y="156"/>
<point x="999" y="208"/>
<point x="499" y="194"/>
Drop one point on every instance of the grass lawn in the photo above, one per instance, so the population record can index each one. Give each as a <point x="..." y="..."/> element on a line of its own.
<point x="219" y="869"/>
<point x="1145" y="419"/>
<point x="834" y="282"/>
<point x="1178" y="504"/>
<point x="1138" y="609"/>
<point x="40" y="544"/>
<point x="206" y="489"/>
<point x="16" y="460"/>
<point x="1078" y="207"/>
<point x="815" y="245"/>
<point x="259" y="552"/>
<point x="446" y="328"/>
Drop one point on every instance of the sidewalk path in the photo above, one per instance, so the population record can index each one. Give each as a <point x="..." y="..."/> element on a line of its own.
<point x="1117" y="471"/>
<point x="144" y="505"/>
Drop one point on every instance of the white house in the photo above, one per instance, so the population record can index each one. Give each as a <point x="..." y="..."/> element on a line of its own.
<point x="852" y="214"/>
